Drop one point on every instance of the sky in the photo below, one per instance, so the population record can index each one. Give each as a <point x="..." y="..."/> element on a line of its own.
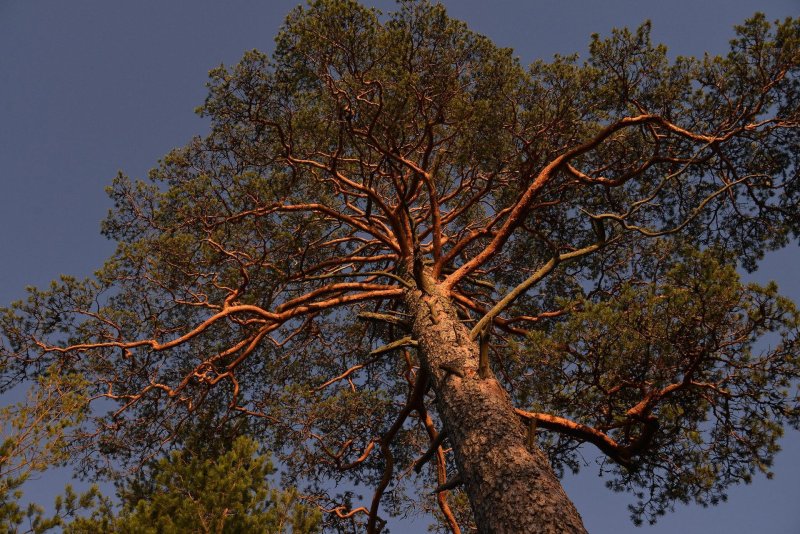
<point x="92" y="87"/>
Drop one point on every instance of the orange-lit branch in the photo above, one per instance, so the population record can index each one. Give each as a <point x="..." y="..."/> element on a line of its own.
<point x="602" y="441"/>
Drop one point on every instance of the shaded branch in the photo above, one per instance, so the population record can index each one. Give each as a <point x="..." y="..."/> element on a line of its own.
<point x="450" y="484"/>
<point x="435" y="444"/>
<point x="535" y="278"/>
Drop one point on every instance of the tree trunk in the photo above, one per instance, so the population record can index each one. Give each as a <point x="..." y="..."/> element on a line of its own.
<point x="512" y="489"/>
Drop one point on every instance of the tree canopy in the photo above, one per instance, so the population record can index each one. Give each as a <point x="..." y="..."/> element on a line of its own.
<point x="399" y="253"/>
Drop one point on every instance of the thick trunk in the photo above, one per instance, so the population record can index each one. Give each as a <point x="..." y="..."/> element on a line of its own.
<point x="512" y="488"/>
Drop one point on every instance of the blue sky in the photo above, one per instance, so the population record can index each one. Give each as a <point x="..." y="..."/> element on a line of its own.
<point x="90" y="87"/>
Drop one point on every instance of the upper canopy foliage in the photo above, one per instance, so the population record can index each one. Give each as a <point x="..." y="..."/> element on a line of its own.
<point x="609" y="198"/>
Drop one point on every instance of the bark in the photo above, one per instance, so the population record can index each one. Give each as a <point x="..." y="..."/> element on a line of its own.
<point x="511" y="487"/>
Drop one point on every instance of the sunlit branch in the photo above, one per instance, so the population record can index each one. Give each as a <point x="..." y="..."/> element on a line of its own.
<point x="602" y="441"/>
<point x="332" y="288"/>
<point x="356" y="274"/>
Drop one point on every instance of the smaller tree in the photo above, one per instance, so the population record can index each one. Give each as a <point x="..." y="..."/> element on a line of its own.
<point x="187" y="491"/>
<point x="34" y="434"/>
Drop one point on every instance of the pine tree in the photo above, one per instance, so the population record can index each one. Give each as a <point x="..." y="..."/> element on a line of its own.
<point x="399" y="251"/>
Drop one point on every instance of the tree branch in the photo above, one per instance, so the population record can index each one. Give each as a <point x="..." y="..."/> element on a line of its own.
<point x="435" y="444"/>
<point x="602" y="441"/>
<point x="535" y="278"/>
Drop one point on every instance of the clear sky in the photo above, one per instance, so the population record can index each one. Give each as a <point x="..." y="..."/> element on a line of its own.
<point x="90" y="87"/>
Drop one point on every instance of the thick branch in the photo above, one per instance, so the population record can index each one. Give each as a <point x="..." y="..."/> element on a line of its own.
<point x="602" y="441"/>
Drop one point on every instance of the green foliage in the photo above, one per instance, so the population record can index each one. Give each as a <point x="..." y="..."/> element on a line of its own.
<point x="37" y="434"/>
<point x="180" y="493"/>
<point x="186" y="492"/>
<point x="370" y="143"/>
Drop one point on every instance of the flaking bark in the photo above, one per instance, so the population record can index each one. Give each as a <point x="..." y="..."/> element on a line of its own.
<point x="511" y="487"/>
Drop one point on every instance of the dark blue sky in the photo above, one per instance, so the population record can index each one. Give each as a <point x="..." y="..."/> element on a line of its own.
<point x="90" y="87"/>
